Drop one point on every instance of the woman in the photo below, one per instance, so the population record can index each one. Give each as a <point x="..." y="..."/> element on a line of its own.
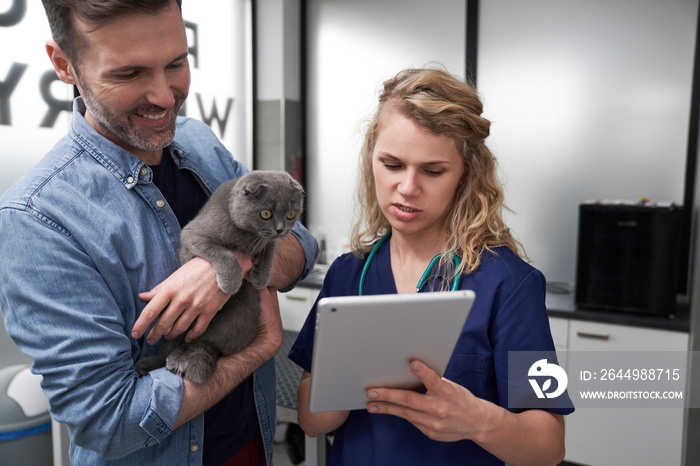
<point x="428" y="179"/>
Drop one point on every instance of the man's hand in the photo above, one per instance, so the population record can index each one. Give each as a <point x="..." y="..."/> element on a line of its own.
<point x="189" y="295"/>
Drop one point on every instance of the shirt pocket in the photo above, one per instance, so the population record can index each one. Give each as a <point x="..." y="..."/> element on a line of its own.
<point x="473" y="371"/>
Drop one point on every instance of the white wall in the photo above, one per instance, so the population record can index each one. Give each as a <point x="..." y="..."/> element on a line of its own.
<point x="588" y="100"/>
<point x="278" y="50"/>
<point x="23" y="141"/>
<point x="353" y="46"/>
<point x="224" y="71"/>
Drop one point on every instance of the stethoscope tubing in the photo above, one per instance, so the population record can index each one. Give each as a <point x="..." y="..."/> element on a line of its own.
<point x="423" y="278"/>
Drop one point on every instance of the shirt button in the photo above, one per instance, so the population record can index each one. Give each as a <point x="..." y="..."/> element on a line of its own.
<point x="130" y="179"/>
<point x="160" y="203"/>
<point x="143" y="171"/>
<point x="194" y="447"/>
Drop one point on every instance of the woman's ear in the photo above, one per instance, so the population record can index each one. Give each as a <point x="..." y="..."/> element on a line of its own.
<point x="61" y="63"/>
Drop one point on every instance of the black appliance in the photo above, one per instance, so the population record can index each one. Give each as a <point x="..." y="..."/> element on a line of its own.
<point x="628" y="258"/>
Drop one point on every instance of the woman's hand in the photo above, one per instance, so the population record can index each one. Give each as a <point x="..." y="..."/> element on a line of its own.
<point x="190" y="294"/>
<point x="446" y="412"/>
<point x="449" y="412"/>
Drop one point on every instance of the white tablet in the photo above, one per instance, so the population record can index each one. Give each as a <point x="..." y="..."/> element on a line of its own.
<point x="368" y="341"/>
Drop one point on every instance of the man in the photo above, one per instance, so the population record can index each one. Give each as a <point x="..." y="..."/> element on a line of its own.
<point x="95" y="225"/>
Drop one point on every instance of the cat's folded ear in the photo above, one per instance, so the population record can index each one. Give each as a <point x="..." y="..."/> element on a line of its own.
<point x="293" y="183"/>
<point x="255" y="189"/>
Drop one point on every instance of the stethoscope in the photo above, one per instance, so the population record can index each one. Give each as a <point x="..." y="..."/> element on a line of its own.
<point x="426" y="274"/>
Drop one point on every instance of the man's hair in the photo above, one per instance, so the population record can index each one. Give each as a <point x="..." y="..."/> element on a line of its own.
<point x="61" y="14"/>
<point x="444" y="105"/>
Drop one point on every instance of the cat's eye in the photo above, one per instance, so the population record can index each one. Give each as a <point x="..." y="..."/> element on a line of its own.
<point x="266" y="214"/>
<point x="291" y="214"/>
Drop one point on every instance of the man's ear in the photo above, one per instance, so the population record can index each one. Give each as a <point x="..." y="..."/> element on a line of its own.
<point x="61" y="63"/>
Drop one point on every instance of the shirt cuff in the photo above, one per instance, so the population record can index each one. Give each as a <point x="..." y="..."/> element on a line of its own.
<point x="164" y="407"/>
<point x="311" y="252"/>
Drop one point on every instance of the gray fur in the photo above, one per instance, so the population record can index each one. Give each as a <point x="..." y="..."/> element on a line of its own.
<point x="232" y="220"/>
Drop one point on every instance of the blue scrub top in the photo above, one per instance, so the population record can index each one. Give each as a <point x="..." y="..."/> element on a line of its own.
<point x="509" y="314"/>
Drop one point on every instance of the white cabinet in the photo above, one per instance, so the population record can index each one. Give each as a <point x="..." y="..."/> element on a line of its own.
<point x="638" y="436"/>
<point x="295" y="306"/>
<point x="596" y="336"/>
<point x="560" y="335"/>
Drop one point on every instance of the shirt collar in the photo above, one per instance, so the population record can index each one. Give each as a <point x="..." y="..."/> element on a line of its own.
<point x="124" y="165"/>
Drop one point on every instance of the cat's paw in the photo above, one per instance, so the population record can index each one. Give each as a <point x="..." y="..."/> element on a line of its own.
<point x="259" y="279"/>
<point x="196" y="365"/>
<point x="177" y="363"/>
<point x="229" y="284"/>
<point x="145" y="365"/>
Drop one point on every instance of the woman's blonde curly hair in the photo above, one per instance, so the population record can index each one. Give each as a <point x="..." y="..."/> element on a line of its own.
<point x="444" y="105"/>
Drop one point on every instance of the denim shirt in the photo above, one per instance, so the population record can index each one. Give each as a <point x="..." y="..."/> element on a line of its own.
<point x="81" y="235"/>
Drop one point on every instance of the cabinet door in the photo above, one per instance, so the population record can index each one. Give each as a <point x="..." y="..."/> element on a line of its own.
<point x="644" y="436"/>
<point x="295" y="306"/>
<point x="595" y="336"/>
<point x="560" y="334"/>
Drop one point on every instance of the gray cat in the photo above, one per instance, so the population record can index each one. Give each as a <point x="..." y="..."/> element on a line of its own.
<point x="247" y="214"/>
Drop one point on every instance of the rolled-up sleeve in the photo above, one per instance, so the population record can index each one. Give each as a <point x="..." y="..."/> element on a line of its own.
<point x="311" y="251"/>
<point x="161" y="415"/>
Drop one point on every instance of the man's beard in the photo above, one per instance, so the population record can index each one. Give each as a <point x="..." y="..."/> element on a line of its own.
<point x="123" y="128"/>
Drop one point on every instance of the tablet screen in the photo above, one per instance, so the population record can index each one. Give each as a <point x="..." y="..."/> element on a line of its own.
<point x="368" y="341"/>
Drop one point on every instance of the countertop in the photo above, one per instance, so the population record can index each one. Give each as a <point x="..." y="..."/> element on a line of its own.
<point x="314" y="279"/>
<point x="561" y="304"/>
